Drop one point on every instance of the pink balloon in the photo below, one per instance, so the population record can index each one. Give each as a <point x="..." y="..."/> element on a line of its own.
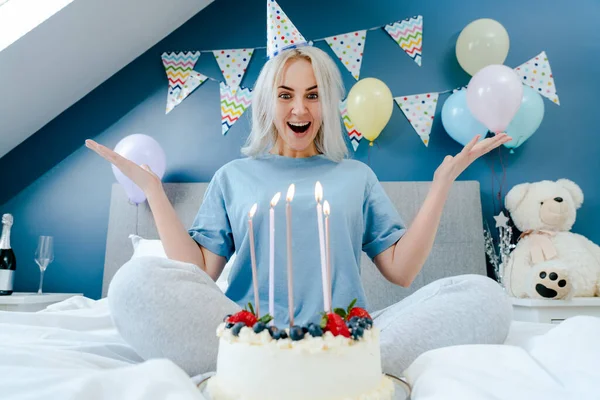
<point x="141" y="149"/>
<point x="494" y="96"/>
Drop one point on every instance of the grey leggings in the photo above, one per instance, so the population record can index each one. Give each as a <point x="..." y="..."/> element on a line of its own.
<point x="169" y="309"/>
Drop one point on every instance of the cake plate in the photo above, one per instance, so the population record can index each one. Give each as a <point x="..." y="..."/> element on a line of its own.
<point x="401" y="392"/>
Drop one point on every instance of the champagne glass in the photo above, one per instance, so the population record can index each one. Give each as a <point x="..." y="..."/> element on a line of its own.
<point x="44" y="255"/>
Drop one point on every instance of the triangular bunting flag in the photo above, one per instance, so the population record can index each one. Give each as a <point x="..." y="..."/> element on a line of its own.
<point x="233" y="64"/>
<point x="537" y="74"/>
<point x="194" y="80"/>
<point x="353" y="133"/>
<point x="178" y="66"/>
<point x="233" y="105"/>
<point x="409" y="36"/>
<point x="419" y="109"/>
<point x="349" y="48"/>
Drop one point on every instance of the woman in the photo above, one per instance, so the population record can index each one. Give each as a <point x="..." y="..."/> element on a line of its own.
<point x="170" y="308"/>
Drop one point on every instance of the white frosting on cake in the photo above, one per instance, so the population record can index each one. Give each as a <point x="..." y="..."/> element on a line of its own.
<point x="256" y="367"/>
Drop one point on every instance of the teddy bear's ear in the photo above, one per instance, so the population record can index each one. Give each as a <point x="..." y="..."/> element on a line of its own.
<point x="515" y="196"/>
<point x="574" y="190"/>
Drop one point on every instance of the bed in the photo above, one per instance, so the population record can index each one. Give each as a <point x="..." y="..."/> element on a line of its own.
<point x="71" y="350"/>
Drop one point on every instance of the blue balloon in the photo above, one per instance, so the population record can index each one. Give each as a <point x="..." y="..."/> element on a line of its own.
<point x="458" y="121"/>
<point x="527" y="119"/>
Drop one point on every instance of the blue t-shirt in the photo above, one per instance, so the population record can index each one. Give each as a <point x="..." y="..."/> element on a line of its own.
<point x="362" y="219"/>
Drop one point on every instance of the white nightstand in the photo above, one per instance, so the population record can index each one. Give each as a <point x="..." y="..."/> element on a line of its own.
<point x="32" y="301"/>
<point x="554" y="311"/>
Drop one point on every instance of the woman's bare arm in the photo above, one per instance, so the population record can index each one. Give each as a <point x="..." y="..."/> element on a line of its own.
<point x="178" y="244"/>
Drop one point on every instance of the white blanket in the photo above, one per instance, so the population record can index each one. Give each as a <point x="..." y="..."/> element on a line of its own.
<point x="561" y="364"/>
<point x="72" y="351"/>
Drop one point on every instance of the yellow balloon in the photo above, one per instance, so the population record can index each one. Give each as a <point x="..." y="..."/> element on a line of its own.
<point x="370" y="104"/>
<point x="481" y="43"/>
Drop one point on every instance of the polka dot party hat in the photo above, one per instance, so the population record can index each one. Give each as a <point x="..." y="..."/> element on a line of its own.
<point x="281" y="32"/>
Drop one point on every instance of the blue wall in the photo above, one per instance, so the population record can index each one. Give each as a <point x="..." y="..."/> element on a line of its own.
<point x="54" y="185"/>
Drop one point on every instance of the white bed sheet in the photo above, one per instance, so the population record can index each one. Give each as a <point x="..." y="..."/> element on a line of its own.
<point x="521" y="332"/>
<point x="71" y="350"/>
<point x="538" y="362"/>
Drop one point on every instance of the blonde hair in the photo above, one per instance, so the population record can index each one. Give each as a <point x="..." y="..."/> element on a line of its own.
<point x="263" y="136"/>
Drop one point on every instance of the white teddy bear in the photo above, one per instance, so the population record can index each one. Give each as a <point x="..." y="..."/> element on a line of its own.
<point x="549" y="261"/>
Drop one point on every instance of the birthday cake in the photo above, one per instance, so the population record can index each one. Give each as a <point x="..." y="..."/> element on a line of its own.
<point x="336" y="359"/>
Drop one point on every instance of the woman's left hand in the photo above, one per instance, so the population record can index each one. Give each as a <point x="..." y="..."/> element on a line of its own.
<point x="452" y="167"/>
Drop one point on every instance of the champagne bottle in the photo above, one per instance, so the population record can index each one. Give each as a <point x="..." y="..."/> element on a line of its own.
<point x="8" y="261"/>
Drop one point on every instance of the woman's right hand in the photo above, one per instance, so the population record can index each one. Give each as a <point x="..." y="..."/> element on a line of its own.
<point x="140" y="175"/>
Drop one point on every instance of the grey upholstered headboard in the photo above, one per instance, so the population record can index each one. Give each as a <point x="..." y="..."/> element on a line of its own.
<point x="458" y="248"/>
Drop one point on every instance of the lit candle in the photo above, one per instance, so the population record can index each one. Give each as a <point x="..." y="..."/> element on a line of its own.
<point x="319" y="197"/>
<point x="274" y="202"/>
<point x="288" y="217"/>
<point x="326" y="211"/>
<point x="253" y="259"/>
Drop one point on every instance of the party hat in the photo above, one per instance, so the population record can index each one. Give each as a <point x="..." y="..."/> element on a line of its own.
<point x="281" y="32"/>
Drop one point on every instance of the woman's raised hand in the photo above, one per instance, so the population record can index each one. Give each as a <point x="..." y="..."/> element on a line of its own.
<point x="140" y="175"/>
<point x="452" y="167"/>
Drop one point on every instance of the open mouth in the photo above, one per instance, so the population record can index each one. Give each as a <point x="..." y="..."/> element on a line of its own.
<point x="299" y="127"/>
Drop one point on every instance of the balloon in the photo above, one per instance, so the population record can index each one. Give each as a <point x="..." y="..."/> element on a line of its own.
<point x="141" y="149"/>
<point x="458" y="121"/>
<point x="481" y="43"/>
<point x="494" y="96"/>
<point x="528" y="118"/>
<point x="370" y="105"/>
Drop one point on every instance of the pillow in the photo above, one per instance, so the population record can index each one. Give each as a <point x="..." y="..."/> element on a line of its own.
<point x="154" y="248"/>
<point x="145" y="247"/>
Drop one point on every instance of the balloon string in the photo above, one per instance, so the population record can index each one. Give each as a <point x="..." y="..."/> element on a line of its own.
<point x="491" y="167"/>
<point x="502" y="185"/>
<point x="493" y="178"/>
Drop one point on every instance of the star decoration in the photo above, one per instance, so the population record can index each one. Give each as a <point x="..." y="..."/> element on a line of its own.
<point x="501" y="220"/>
